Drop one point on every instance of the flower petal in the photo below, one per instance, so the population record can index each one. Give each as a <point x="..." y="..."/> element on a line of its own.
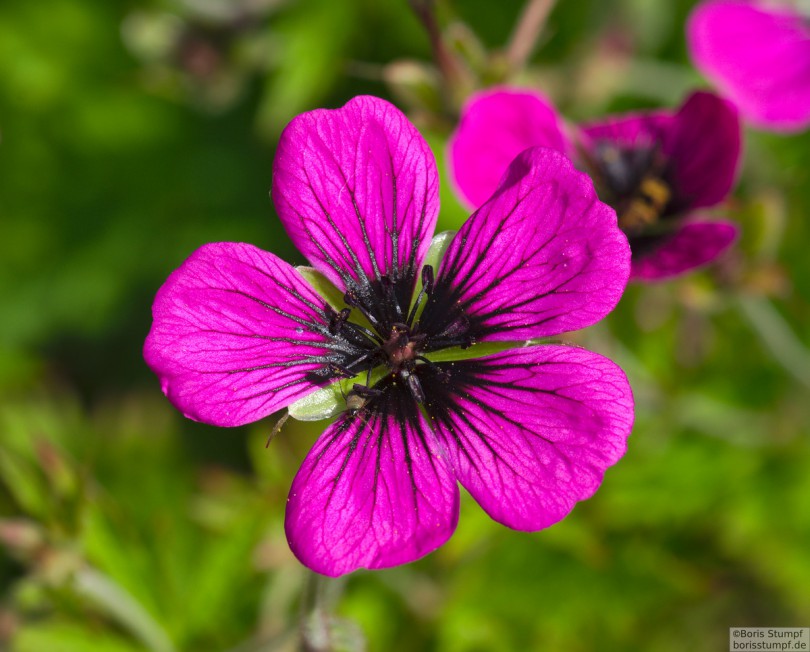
<point x="693" y="245"/>
<point x="705" y="149"/>
<point x="542" y="256"/>
<point x="495" y="126"/>
<point x="701" y="141"/>
<point x="531" y="431"/>
<point x="357" y="190"/>
<point x="236" y="333"/>
<point x="758" y="55"/>
<point x="373" y="492"/>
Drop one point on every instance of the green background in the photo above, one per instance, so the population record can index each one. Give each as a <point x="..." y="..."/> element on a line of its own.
<point x="133" y="132"/>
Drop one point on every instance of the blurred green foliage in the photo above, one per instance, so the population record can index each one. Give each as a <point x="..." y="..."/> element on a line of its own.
<point x="131" y="133"/>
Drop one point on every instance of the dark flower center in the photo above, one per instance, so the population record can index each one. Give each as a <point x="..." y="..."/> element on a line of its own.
<point x="633" y="180"/>
<point x="396" y="346"/>
<point x="402" y="347"/>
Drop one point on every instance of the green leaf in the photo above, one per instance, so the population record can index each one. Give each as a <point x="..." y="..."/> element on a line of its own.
<point x="25" y="484"/>
<point x="65" y="637"/>
<point x="112" y="598"/>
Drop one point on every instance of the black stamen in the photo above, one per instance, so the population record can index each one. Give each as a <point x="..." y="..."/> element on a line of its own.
<point x="365" y="391"/>
<point x="353" y="300"/>
<point x="389" y="293"/>
<point x="415" y="387"/>
<point x="433" y="366"/>
<point x="357" y="328"/>
<point x="339" y="371"/>
<point x="427" y="279"/>
<point x="338" y="320"/>
<point x="365" y="356"/>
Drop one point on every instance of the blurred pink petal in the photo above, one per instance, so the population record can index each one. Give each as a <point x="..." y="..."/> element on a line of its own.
<point x="699" y="143"/>
<point x="495" y="126"/>
<point x="693" y="245"/>
<point x="758" y="54"/>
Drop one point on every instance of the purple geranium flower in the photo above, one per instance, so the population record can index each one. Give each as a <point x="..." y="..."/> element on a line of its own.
<point x="656" y="168"/>
<point x="758" y="55"/>
<point x="239" y="333"/>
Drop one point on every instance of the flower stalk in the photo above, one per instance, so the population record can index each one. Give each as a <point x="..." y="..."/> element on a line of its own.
<point x="527" y="30"/>
<point x="320" y="630"/>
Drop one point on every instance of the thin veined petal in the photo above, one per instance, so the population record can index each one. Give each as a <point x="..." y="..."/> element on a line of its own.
<point x="693" y="245"/>
<point x="531" y="431"/>
<point x="373" y="492"/>
<point x="357" y="190"/>
<point x="236" y="332"/>
<point x="758" y="54"/>
<point x="495" y="126"/>
<point x="541" y="257"/>
<point x="701" y="143"/>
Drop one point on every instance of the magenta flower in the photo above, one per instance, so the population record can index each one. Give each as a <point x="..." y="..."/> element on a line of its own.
<point x="758" y="55"/>
<point x="529" y="431"/>
<point x="655" y="169"/>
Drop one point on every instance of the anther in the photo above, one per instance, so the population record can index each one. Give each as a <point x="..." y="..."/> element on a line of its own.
<point x="389" y="293"/>
<point x="414" y="386"/>
<point x="427" y="290"/>
<point x="427" y="279"/>
<point x="338" y="320"/>
<point x="353" y="300"/>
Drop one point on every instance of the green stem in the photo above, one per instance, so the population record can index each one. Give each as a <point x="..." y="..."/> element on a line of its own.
<point x="317" y="621"/>
<point x="457" y="83"/>
<point x="527" y="30"/>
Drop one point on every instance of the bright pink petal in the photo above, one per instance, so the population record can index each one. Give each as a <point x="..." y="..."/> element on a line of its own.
<point x="495" y="126"/>
<point x="541" y="257"/>
<point x="758" y="54"/>
<point x="373" y="492"/>
<point x="357" y="190"/>
<point x="701" y="143"/>
<point x="695" y="244"/>
<point x="531" y="431"/>
<point x="235" y="332"/>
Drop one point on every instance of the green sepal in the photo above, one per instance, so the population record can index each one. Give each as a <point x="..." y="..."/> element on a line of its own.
<point x="481" y="349"/>
<point x="330" y="401"/>
<point x="438" y="247"/>
<point x="322" y="286"/>
<point x="323" y="403"/>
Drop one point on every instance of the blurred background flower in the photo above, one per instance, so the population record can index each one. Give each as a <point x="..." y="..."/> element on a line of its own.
<point x="758" y="55"/>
